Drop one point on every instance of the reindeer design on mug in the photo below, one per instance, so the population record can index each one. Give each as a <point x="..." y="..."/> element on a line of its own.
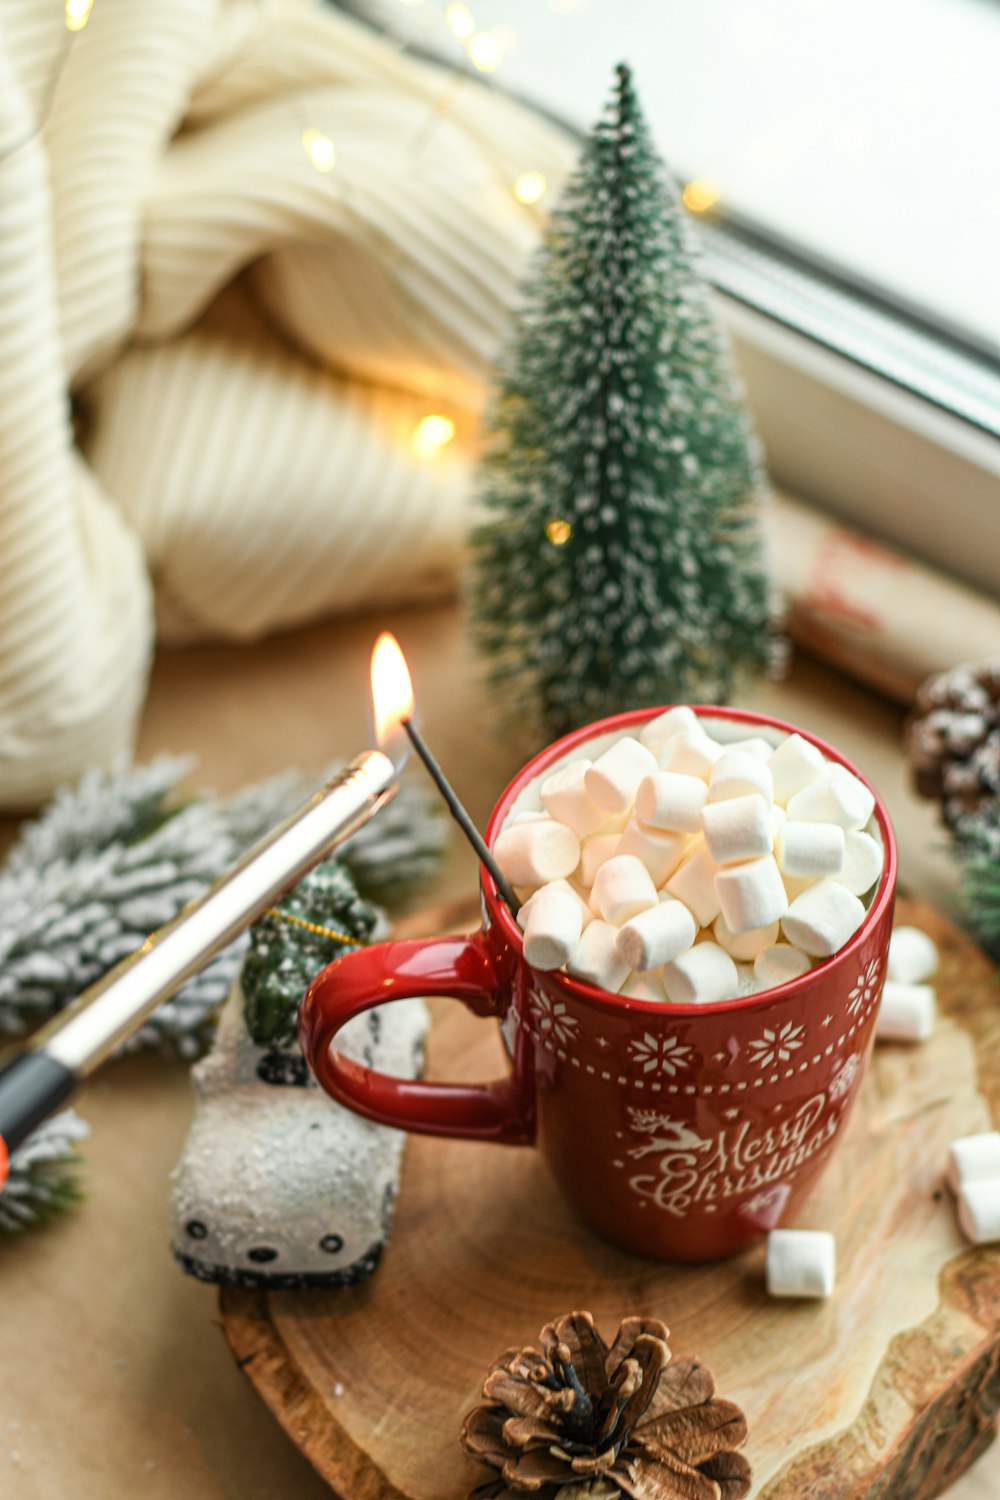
<point x="696" y="1171"/>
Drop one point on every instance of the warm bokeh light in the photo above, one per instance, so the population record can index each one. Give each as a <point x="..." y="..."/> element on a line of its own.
<point x="320" y="149"/>
<point x="530" y="187"/>
<point x="431" y="434"/>
<point x="485" y="52"/>
<point x="558" y="532"/>
<point x="392" y="690"/>
<point x="700" y="195"/>
<point x="460" y="20"/>
<point x="78" y="14"/>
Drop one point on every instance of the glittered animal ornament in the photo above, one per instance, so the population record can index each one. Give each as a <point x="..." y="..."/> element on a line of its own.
<point x="277" y="1185"/>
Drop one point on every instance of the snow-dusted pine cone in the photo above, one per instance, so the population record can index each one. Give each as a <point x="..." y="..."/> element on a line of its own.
<point x="952" y="738"/>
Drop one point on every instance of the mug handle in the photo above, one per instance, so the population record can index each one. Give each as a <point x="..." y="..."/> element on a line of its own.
<point x="462" y="969"/>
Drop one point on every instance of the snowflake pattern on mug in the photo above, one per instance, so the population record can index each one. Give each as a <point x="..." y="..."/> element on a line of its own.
<point x="841" y="1081"/>
<point x="776" y="1045"/>
<point x="552" y="1020"/>
<point x="659" y="1054"/>
<point x="866" y="987"/>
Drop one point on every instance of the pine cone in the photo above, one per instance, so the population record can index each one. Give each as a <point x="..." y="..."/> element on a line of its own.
<point x="564" y="1424"/>
<point x="952" y="738"/>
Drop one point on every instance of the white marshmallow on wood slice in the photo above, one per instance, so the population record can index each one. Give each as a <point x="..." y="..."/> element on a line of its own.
<point x="596" y="959"/>
<point x="913" y="956"/>
<point x="737" y="773"/>
<point x="552" y="929"/>
<point x="752" y="895"/>
<point x="565" y="797"/>
<point x="668" y="800"/>
<point x="794" y="765"/>
<point x="744" y="946"/>
<point x="809" y="848"/>
<point x="658" y="733"/>
<point x="623" y="887"/>
<point x="862" y="862"/>
<point x="801" y="1263"/>
<point x="694" y="884"/>
<point x="614" y="776"/>
<point x="737" y="829"/>
<point x="586" y="915"/>
<point x="837" y="797"/>
<point x="537" y="852"/>
<point x="979" y="1211"/>
<point x="906" y="1013"/>
<point x="594" y="853"/>
<point x="647" y="987"/>
<point x="823" y="918"/>
<point x="973" y="1158"/>
<point x="692" y="753"/>
<point x="657" y="936"/>
<point x="780" y="964"/>
<point x="660" y="852"/>
<point x="703" y="975"/>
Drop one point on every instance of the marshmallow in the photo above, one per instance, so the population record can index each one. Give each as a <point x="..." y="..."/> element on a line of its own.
<point x="692" y="753"/>
<point x="645" y="987"/>
<point x="660" y="852"/>
<point x="668" y="800"/>
<point x="753" y="895"/>
<point x="565" y="797"/>
<point x="837" y="797"/>
<point x="694" y="884"/>
<point x="744" y="946"/>
<point x="596" y="959"/>
<point x="700" y="976"/>
<point x="794" y="765"/>
<point x="586" y="915"/>
<point x="823" y="918"/>
<point x="974" y="1158"/>
<point x="906" y="1013"/>
<point x="736" y="774"/>
<point x="536" y="852"/>
<point x="913" y="956"/>
<point x="623" y="887"/>
<point x="656" y="936"/>
<point x="979" y="1211"/>
<point x="594" y="852"/>
<point x="749" y="984"/>
<point x="778" y="818"/>
<point x="809" y="848"/>
<point x="529" y="817"/>
<point x="552" y="928"/>
<point x="862" y="862"/>
<point x="780" y="964"/>
<point x="658" y="733"/>
<point x="739" y="828"/>
<point x="612" y="779"/>
<point x="757" y="745"/>
<point x="801" y="1263"/>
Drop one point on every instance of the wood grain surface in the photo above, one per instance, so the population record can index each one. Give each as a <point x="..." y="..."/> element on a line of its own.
<point x="887" y="1391"/>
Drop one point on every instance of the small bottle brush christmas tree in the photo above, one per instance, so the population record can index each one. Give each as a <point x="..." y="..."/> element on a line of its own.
<point x="619" y="561"/>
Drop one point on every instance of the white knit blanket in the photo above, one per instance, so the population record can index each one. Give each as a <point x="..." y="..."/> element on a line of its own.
<point x="248" y="342"/>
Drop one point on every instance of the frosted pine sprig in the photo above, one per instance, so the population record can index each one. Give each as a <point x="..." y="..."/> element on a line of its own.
<point x="122" y="852"/>
<point x="44" y="1175"/>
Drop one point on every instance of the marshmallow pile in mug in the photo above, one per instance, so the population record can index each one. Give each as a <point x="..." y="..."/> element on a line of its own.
<point x="687" y="866"/>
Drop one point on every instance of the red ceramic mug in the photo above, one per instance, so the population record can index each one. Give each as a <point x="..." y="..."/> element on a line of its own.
<point x="681" y="1132"/>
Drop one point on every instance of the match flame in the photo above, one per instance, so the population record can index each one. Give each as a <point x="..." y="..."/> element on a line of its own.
<point x="392" y="696"/>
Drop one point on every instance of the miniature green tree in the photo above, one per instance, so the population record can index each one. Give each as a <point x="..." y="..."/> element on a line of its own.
<point x="618" y="563"/>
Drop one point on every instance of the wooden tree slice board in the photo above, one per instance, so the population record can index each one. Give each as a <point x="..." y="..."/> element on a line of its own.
<point x="887" y="1391"/>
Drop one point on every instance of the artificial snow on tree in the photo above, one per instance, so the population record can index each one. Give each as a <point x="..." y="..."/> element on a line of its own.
<point x="122" y="852"/>
<point x="619" y="562"/>
<point x="277" y="1185"/>
<point x="44" y="1178"/>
